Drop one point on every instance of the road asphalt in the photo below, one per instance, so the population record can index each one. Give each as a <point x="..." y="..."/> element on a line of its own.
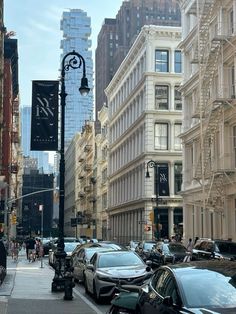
<point x="26" y="289"/>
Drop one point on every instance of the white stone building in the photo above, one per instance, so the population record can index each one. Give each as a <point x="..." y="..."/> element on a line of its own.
<point x="209" y="123"/>
<point x="145" y="117"/>
<point x="102" y="148"/>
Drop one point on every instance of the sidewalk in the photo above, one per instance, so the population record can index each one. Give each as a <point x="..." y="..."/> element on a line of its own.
<point x="27" y="289"/>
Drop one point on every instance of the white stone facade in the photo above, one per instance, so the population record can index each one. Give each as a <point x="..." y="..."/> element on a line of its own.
<point x="145" y="120"/>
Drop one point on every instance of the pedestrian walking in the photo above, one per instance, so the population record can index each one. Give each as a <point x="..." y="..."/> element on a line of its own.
<point x="14" y="250"/>
<point x="189" y="248"/>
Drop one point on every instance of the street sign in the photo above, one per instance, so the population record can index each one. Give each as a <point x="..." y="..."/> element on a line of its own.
<point x="142" y="222"/>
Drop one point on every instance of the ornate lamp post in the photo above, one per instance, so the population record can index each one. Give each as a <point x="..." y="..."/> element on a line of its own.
<point x="71" y="60"/>
<point x="154" y="164"/>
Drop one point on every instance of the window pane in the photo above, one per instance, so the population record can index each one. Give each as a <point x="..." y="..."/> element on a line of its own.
<point x="178" y="62"/>
<point x="178" y="99"/>
<point x="177" y="140"/>
<point x="178" y="177"/>
<point x="161" y="97"/>
<point x="161" y="136"/>
<point x="162" y="61"/>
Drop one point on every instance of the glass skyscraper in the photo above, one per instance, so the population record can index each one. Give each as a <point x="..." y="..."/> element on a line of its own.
<point x="76" y="27"/>
<point x="42" y="157"/>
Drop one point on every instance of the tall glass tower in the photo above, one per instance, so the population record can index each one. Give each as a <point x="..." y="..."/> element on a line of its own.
<point x="76" y="27"/>
<point x="42" y="157"/>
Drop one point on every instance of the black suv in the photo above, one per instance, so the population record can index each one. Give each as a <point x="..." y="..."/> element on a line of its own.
<point x="216" y="249"/>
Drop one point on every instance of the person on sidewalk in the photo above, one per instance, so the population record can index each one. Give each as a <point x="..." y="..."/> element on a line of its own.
<point x="189" y="248"/>
<point x="31" y="250"/>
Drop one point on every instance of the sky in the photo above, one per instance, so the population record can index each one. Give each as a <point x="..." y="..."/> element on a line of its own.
<point x="37" y="27"/>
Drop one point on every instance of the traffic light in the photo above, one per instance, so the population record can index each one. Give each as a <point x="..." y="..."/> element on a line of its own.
<point x="14" y="219"/>
<point x="151" y="216"/>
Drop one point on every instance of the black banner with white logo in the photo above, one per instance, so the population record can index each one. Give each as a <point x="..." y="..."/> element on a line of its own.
<point x="163" y="181"/>
<point x="44" y="116"/>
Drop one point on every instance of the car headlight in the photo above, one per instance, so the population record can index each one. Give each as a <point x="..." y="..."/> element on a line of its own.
<point x="103" y="277"/>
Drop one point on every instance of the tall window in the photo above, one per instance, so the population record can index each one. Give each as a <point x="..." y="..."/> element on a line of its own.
<point x="177" y="140"/>
<point x="231" y="22"/>
<point x="234" y="144"/>
<point x="162" y="61"/>
<point x="178" y="177"/>
<point x="161" y="136"/>
<point x="178" y="99"/>
<point x="161" y="97"/>
<point x="232" y="83"/>
<point x="178" y="61"/>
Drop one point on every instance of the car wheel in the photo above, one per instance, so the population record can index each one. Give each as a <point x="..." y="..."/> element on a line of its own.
<point x="96" y="293"/>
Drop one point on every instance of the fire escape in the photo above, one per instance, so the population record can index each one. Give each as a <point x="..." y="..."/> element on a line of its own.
<point x="209" y="109"/>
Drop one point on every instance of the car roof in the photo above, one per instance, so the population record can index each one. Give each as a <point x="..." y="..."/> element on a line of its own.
<point x="116" y="252"/>
<point x="227" y="268"/>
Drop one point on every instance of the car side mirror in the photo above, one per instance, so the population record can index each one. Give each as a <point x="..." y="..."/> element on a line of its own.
<point x="90" y="267"/>
<point x="168" y="301"/>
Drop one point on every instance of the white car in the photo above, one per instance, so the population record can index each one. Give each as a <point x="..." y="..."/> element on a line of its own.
<point x="107" y="269"/>
<point x="69" y="248"/>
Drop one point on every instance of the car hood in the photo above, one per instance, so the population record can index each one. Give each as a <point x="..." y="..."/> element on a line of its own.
<point x="213" y="311"/>
<point x="123" y="272"/>
<point x="226" y="256"/>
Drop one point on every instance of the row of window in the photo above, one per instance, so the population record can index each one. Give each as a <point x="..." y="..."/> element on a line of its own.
<point x="163" y="99"/>
<point x="162" y="64"/>
<point x="162" y="61"/>
<point x="162" y="137"/>
<point x="131" y="187"/>
<point x="134" y="145"/>
<point x="131" y="114"/>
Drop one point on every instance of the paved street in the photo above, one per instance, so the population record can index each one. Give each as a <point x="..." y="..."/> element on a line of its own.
<point x="27" y="289"/>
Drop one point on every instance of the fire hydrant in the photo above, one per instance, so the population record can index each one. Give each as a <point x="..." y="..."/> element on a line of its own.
<point x="69" y="282"/>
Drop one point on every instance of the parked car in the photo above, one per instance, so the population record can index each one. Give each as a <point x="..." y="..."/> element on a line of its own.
<point x="81" y="256"/>
<point x="167" y="252"/>
<point x="217" y="249"/>
<point x="112" y="244"/>
<point x="108" y="269"/>
<point x="47" y="245"/>
<point x="144" y="248"/>
<point x="69" y="248"/>
<point x="132" y="245"/>
<point x="195" y="287"/>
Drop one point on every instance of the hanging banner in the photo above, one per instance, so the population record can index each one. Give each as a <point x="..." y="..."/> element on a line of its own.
<point x="163" y="181"/>
<point x="44" y="116"/>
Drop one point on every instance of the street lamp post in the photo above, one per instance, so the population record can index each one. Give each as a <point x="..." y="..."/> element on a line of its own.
<point x="72" y="60"/>
<point x="154" y="164"/>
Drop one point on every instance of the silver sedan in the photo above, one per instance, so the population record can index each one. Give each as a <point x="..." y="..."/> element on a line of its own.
<point x="108" y="269"/>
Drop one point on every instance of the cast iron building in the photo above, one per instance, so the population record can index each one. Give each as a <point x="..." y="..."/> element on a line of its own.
<point x="117" y="36"/>
<point x="76" y="27"/>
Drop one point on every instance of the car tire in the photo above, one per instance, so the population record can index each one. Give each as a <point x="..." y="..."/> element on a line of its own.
<point x="96" y="295"/>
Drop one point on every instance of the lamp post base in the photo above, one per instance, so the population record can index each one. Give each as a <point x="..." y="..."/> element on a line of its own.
<point x="58" y="282"/>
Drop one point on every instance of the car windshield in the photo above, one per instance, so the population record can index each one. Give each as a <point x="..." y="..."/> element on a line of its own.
<point x="149" y="245"/>
<point x="226" y="247"/>
<point x="220" y="290"/>
<point x="118" y="260"/>
<point x="176" y="248"/>
<point x="91" y="251"/>
<point x="69" y="247"/>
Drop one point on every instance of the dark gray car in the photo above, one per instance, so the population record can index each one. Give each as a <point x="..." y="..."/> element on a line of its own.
<point x="216" y="249"/>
